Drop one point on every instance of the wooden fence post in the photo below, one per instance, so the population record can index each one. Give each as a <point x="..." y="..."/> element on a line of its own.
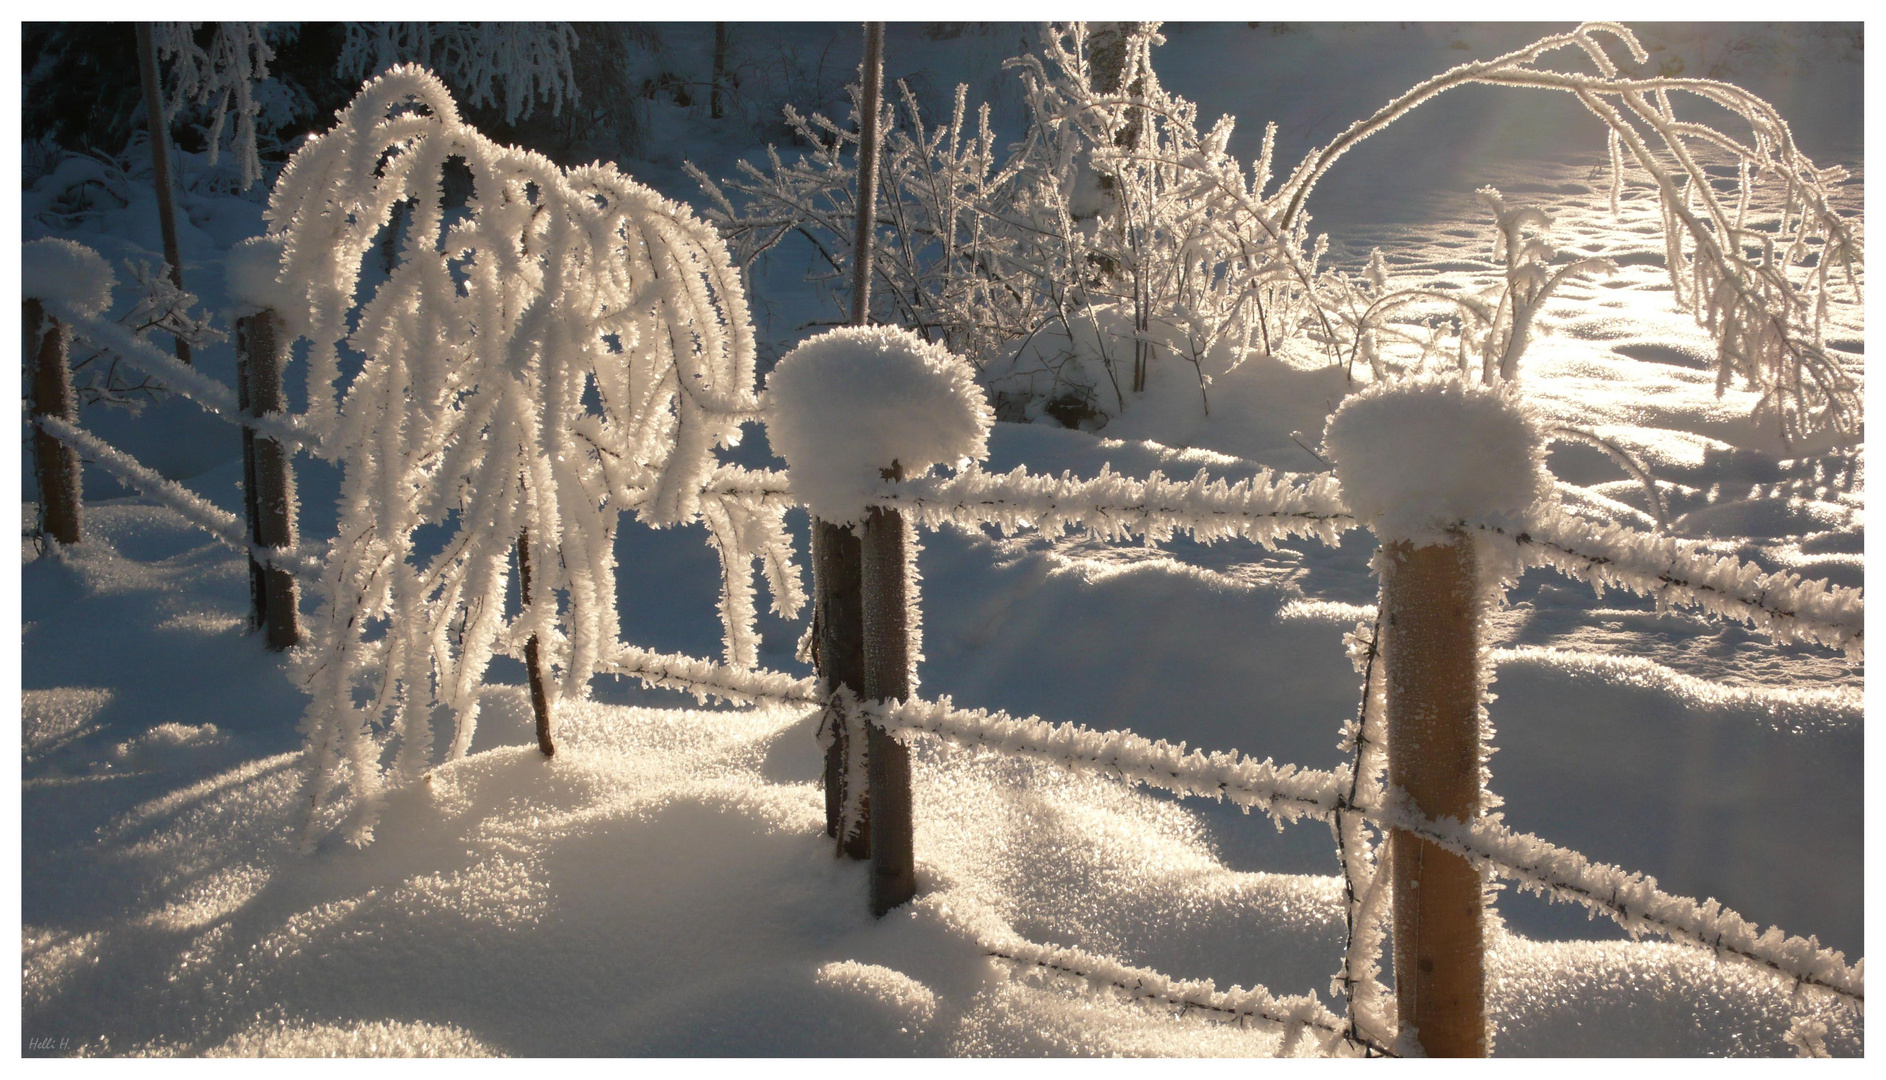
<point x="837" y="552"/>
<point x="268" y="484"/>
<point x="838" y="651"/>
<point x="887" y="678"/>
<point x="55" y="465"/>
<point x="1430" y="608"/>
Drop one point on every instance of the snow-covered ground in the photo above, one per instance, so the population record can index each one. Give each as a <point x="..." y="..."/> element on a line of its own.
<point x="664" y="885"/>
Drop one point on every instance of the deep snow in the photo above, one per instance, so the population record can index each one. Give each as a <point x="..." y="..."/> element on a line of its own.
<point x="664" y="885"/>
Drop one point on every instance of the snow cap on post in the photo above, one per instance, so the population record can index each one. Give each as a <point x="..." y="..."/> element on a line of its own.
<point x="1417" y="456"/>
<point x="66" y="274"/>
<point x="252" y="273"/>
<point x="844" y="405"/>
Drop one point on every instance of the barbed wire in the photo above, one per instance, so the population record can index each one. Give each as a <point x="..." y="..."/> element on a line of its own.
<point x="208" y="394"/>
<point x="1238" y="1004"/>
<point x="224" y="526"/>
<point x="1783" y="605"/>
<point x="1289" y="793"/>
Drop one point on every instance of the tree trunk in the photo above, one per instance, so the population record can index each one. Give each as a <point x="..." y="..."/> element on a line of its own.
<point x="1430" y="601"/>
<point x="160" y="162"/>
<point x="887" y="678"/>
<point x="268" y="482"/>
<point x="838" y="651"/>
<point x="714" y="108"/>
<point x="539" y="695"/>
<point x="55" y="465"/>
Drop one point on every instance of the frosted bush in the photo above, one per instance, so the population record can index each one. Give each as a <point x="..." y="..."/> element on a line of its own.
<point x="1115" y="200"/>
<point x="222" y="77"/>
<point x="1416" y="456"/>
<point x="848" y="404"/>
<point x="559" y="349"/>
<point x="512" y="62"/>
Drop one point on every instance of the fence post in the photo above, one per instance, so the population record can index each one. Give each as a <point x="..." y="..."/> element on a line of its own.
<point x="1430" y="609"/>
<point x="886" y="678"/>
<point x="55" y="465"/>
<point x="838" y="652"/>
<point x="1420" y="459"/>
<point x="268" y="484"/>
<point x="837" y="553"/>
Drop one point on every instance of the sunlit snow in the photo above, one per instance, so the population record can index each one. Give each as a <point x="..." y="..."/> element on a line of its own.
<point x="664" y="885"/>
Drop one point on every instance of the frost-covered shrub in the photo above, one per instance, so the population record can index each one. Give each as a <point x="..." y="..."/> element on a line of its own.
<point x="846" y="406"/>
<point x="1116" y="201"/>
<point x="510" y="62"/>
<point x="221" y="77"/>
<point x="558" y="349"/>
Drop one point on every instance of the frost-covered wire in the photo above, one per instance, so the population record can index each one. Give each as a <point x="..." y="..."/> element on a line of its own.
<point x="1368" y="1005"/>
<point x="1633" y="900"/>
<point x="1112" y="506"/>
<point x="1289" y="793"/>
<point x="1783" y="605"/>
<point x="195" y="509"/>
<point x="210" y="395"/>
<point x="1296" y="1016"/>
<point x="707" y="680"/>
<point x="1285" y="792"/>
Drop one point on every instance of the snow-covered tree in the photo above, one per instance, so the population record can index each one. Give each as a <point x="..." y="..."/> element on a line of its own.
<point x="221" y="77"/>
<point x="1116" y="228"/>
<point x="513" y="63"/>
<point x="560" y="348"/>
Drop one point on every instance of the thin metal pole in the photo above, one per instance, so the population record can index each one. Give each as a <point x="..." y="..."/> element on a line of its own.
<point x="863" y="246"/>
<point x="160" y="162"/>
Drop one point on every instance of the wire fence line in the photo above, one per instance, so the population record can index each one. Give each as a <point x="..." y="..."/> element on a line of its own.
<point x="1295" y="1016"/>
<point x="1271" y="506"/>
<point x="193" y="508"/>
<point x="1289" y="793"/>
<point x="1285" y="792"/>
<point x="1783" y="605"/>
<point x="1262" y="509"/>
<point x="208" y="394"/>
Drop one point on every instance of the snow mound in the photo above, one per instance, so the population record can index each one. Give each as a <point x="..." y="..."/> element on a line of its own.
<point x="252" y="274"/>
<point x="377" y="1038"/>
<point x="66" y="273"/>
<point x="846" y="404"/>
<point x="1415" y="456"/>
